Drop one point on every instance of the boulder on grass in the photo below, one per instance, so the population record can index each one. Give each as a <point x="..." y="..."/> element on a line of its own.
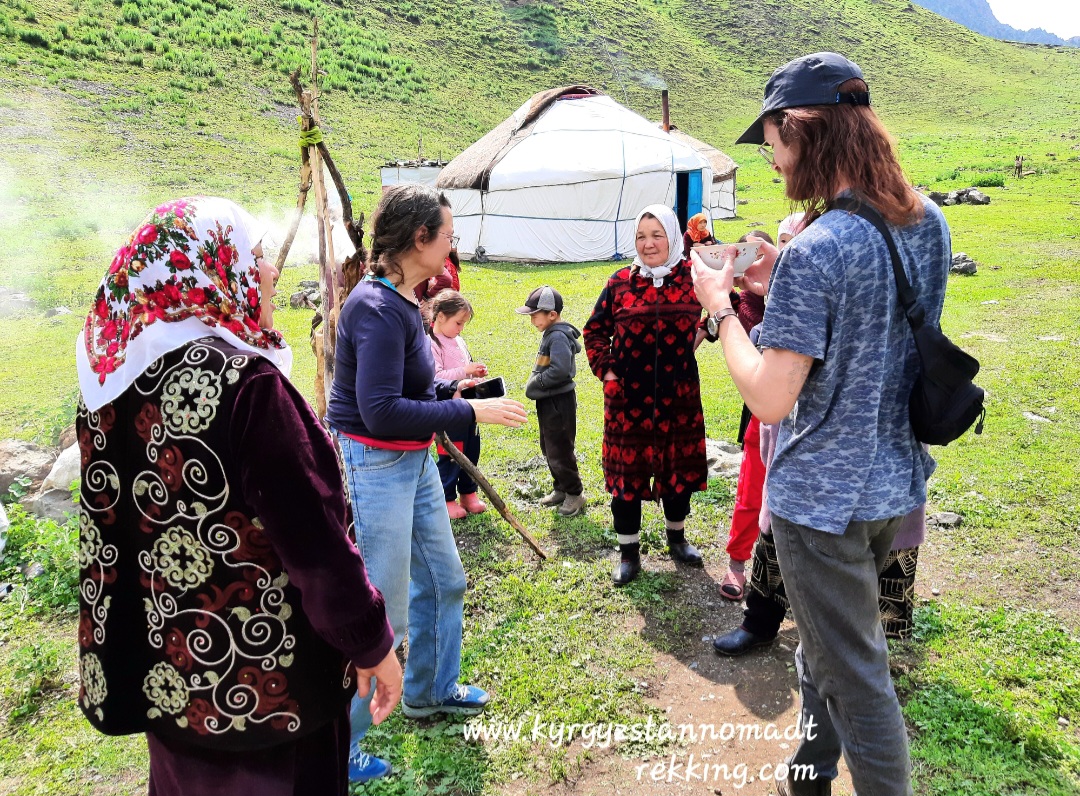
<point x="962" y="264"/>
<point x="23" y="460"/>
<point x="64" y="470"/>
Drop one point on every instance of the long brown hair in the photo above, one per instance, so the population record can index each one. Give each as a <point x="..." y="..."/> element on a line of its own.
<point x="449" y="303"/>
<point x="402" y="211"/>
<point x="841" y="144"/>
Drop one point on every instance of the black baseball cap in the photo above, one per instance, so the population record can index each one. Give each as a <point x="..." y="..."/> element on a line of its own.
<point x="543" y="299"/>
<point x="810" y="80"/>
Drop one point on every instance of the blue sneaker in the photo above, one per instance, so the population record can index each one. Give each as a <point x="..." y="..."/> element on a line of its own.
<point x="467" y="700"/>
<point x="364" y="767"/>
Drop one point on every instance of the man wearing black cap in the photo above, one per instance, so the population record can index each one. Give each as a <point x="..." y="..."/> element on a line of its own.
<point x="837" y="366"/>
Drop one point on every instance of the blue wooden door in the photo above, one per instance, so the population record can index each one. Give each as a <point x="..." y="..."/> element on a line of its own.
<point x="693" y="199"/>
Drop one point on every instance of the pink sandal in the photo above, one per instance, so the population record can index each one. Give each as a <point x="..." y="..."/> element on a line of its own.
<point x="733" y="586"/>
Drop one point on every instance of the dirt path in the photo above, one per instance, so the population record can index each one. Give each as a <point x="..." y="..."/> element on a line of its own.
<point x="692" y="685"/>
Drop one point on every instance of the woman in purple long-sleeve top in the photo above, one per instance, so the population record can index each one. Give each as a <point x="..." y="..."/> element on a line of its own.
<point x="385" y="407"/>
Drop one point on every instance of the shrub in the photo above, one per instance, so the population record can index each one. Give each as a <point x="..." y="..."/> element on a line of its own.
<point x="34" y="38"/>
<point x="51" y="546"/>
<point x="989" y="181"/>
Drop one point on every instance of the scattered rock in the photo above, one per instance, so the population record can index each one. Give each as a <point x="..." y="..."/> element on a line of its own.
<point x="1062" y="721"/>
<point x="49" y="313"/>
<point x="962" y="264"/>
<point x="305" y="300"/>
<point x="1051" y="338"/>
<point x="64" y="470"/>
<point x="969" y="196"/>
<point x="1037" y="418"/>
<point x="23" y="459"/>
<point x="51" y="504"/>
<point x="756" y="224"/>
<point x="992" y="301"/>
<point x="309" y="284"/>
<point x="67" y="437"/>
<point x="32" y="570"/>
<point x="724" y="458"/>
<point x="945" y="519"/>
<point x="936" y="591"/>
<point x="742" y="201"/>
<point x="12" y="302"/>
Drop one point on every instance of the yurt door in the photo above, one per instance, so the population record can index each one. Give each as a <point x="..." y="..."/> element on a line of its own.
<point x="687" y="195"/>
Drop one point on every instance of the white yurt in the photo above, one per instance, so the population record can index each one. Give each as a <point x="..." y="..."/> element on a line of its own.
<point x="563" y="178"/>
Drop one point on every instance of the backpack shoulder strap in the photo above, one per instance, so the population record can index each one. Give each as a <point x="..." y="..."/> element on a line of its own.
<point x="905" y="292"/>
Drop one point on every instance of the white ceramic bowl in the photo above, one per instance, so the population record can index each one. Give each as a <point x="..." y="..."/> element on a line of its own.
<point x="713" y="256"/>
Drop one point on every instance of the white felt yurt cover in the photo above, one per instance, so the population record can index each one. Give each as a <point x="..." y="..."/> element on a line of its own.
<point x="563" y="179"/>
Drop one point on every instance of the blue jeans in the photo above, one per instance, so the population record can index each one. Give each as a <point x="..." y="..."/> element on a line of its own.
<point x="403" y="532"/>
<point x="842" y="658"/>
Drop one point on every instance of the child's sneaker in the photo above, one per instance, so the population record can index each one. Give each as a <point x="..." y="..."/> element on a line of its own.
<point x="573" y="505"/>
<point x="553" y="498"/>
<point x="455" y="511"/>
<point x="467" y="700"/>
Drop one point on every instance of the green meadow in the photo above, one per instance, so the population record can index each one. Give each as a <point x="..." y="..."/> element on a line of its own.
<point x="109" y="107"/>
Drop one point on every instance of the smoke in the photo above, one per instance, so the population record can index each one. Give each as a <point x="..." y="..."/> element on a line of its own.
<point x="650" y="80"/>
<point x="305" y="246"/>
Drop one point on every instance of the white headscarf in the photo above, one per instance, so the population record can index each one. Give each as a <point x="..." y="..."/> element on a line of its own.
<point x="186" y="272"/>
<point x="670" y="222"/>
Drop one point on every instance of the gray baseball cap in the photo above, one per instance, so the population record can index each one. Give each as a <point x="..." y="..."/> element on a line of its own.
<point x="543" y="299"/>
<point x="810" y="80"/>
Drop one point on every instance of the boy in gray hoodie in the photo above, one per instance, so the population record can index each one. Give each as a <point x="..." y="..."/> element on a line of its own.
<point x="551" y="385"/>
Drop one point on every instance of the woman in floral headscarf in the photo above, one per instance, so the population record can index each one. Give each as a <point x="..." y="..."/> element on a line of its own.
<point x="640" y="342"/>
<point x="223" y="606"/>
<point x="697" y="233"/>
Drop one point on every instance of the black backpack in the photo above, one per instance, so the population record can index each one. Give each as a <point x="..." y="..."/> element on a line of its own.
<point x="944" y="401"/>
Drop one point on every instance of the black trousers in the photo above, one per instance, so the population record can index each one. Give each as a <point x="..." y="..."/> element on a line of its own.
<point x="626" y="514"/>
<point x="557" y="416"/>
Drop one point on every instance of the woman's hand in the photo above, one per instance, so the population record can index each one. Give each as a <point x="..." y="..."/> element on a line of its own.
<point x="476" y="369"/>
<point x="610" y="376"/>
<point x="756" y="278"/>
<point x="499" y="411"/>
<point x="713" y="287"/>
<point x="387" y="674"/>
<point x="464" y="384"/>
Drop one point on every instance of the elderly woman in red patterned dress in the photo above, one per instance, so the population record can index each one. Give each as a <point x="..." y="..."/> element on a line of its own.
<point x="640" y="342"/>
<point x="224" y="608"/>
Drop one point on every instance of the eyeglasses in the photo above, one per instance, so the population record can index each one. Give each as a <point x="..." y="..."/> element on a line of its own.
<point x="767" y="154"/>
<point x="454" y="239"/>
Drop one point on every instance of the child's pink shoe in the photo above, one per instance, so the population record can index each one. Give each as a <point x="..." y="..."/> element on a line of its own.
<point x="472" y="504"/>
<point x="455" y="511"/>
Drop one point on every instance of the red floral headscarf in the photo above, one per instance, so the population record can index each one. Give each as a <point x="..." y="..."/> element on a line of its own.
<point x="186" y="272"/>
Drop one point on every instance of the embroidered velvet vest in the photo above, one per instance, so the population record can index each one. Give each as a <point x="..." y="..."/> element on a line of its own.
<point x="189" y="627"/>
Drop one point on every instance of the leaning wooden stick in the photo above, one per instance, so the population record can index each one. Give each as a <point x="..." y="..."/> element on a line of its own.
<point x="489" y="490"/>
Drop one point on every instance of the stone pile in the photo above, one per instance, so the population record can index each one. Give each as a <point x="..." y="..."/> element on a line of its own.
<point x="964" y="196"/>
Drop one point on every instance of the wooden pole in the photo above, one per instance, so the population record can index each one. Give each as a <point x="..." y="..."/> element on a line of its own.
<point x="463" y="460"/>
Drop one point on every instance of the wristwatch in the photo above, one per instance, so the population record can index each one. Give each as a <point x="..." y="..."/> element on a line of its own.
<point x="712" y="325"/>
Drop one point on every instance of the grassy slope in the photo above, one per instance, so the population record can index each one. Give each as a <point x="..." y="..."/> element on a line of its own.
<point x="88" y="145"/>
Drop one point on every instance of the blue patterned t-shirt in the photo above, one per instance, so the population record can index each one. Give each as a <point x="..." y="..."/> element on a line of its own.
<point x="847" y="452"/>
